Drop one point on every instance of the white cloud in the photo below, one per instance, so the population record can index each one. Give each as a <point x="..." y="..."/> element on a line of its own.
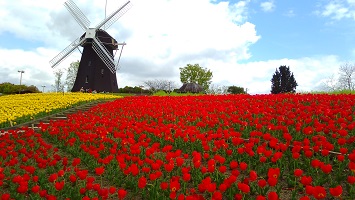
<point x="161" y="36"/>
<point x="290" y="13"/>
<point x="338" y="10"/>
<point x="267" y="6"/>
<point x="309" y="72"/>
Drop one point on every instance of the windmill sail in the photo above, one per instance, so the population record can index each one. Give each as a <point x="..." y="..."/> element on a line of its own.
<point x="79" y="16"/>
<point x="97" y="68"/>
<point x="103" y="53"/>
<point x="113" y="17"/>
<point x="66" y="52"/>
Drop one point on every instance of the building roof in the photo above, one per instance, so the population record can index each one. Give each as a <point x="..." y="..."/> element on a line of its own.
<point x="191" y="87"/>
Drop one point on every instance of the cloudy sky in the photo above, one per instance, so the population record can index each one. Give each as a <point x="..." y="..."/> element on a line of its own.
<point x="241" y="42"/>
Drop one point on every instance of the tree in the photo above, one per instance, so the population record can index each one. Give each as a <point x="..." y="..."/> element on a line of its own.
<point x="196" y="74"/>
<point x="283" y="81"/>
<point x="236" y="90"/>
<point x="156" y="85"/>
<point x="9" y="88"/>
<point x="346" y="78"/>
<point x="71" y="74"/>
<point x="216" y="89"/>
<point x="330" y="84"/>
<point x="58" y="85"/>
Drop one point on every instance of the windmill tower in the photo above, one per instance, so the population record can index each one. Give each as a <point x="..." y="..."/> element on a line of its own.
<point x="97" y="69"/>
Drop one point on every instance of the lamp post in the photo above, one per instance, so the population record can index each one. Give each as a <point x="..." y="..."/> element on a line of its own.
<point x="43" y="86"/>
<point x="21" y="71"/>
<point x="141" y="86"/>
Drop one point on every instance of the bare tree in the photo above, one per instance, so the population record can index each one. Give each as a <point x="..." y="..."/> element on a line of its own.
<point x="217" y="89"/>
<point x="156" y="85"/>
<point x="330" y="84"/>
<point x="58" y="84"/>
<point x="71" y="74"/>
<point x="346" y="79"/>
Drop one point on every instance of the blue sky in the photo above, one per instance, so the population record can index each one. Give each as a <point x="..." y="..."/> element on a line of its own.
<point x="296" y="29"/>
<point x="241" y="42"/>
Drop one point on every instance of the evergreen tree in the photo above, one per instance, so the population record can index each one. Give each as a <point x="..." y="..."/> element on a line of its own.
<point x="283" y="81"/>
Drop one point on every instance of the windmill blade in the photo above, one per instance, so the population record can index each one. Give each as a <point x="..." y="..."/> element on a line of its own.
<point x="115" y="16"/>
<point x="103" y="53"/>
<point x="66" y="52"/>
<point x="79" y="16"/>
<point x="119" y="58"/>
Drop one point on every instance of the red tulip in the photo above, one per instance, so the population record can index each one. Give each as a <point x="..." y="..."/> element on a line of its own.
<point x="326" y="168"/>
<point x="243" y="166"/>
<point x="142" y="182"/>
<point x="298" y="172"/>
<point x="351" y="179"/>
<point x="99" y="171"/>
<point x="253" y="175"/>
<point x="336" y="191"/>
<point x="164" y="185"/>
<point x="262" y="183"/>
<point x="76" y="161"/>
<point x="217" y="195"/>
<point x="272" y="196"/>
<point x="121" y="193"/>
<point x="59" y="185"/>
<point x="35" y="189"/>
<point x="72" y="178"/>
<point x="306" y="180"/>
<point x="260" y="197"/>
<point x="319" y="192"/>
<point x="233" y="164"/>
<point x="274" y="173"/>
<point x="243" y="187"/>
<point x="272" y="181"/>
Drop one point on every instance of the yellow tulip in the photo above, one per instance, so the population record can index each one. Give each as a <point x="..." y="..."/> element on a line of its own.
<point x="13" y="107"/>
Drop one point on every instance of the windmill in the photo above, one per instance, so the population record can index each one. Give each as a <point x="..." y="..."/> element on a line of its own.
<point x="97" y="69"/>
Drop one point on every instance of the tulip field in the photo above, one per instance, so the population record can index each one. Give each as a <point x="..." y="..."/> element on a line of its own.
<point x="16" y="109"/>
<point x="287" y="146"/>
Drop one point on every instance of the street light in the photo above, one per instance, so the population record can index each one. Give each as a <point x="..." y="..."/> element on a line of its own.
<point x="141" y="86"/>
<point x="43" y="86"/>
<point x="21" y="71"/>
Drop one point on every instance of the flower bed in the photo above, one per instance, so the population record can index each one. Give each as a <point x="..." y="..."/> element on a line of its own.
<point x="15" y="109"/>
<point x="193" y="147"/>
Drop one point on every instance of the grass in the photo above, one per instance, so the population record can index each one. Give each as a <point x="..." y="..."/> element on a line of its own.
<point x="331" y="92"/>
<point x="163" y="93"/>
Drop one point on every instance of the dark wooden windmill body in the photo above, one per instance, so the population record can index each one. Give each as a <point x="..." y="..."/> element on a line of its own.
<point x="97" y="68"/>
<point x="93" y="73"/>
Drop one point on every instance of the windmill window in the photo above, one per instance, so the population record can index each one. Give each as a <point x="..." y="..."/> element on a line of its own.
<point x="87" y="79"/>
<point x="89" y="64"/>
<point x="102" y="71"/>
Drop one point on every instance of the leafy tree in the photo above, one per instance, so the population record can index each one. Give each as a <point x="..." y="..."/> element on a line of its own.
<point x="71" y="74"/>
<point x="32" y="89"/>
<point x="236" y="90"/>
<point x="196" y="74"/>
<point x="9" y="88"/>
<point x="283" y="81"/>
<point x="135" y="90"/>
